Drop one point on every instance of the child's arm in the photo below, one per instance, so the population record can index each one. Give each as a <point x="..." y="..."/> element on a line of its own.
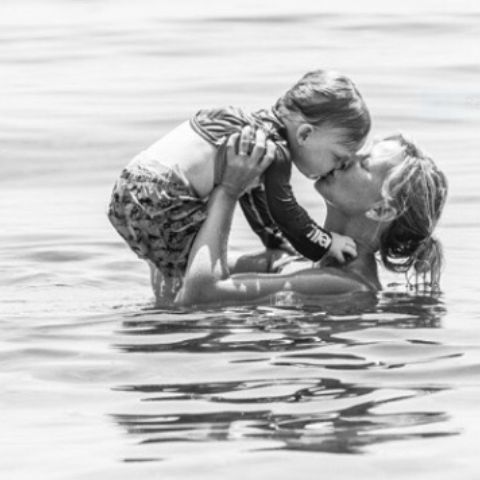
<point x="306" y="236"/>
<point x="255" y="208"/>
<point x="215" y="126"/>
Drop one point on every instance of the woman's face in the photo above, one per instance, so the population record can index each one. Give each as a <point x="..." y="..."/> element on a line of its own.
<point x="357" y="188"/>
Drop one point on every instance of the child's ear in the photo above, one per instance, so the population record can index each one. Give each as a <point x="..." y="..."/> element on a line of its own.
<point x="382" y="212"/>
<point x="303" y="132"/>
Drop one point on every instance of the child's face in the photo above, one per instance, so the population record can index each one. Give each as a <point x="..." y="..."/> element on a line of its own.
<point x="321" y="151"/>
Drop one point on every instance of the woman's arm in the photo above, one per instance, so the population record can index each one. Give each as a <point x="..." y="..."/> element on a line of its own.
<point x="208" y="281"/>
<point x="207" y="278"/>
<point x="207" y="259"/>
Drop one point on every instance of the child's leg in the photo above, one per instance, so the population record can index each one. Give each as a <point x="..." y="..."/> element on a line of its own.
<point x="158" y="215"/>
<point x="155" y="277"/>
<point x="165" y="287"/>
<point x="162" y="286"/>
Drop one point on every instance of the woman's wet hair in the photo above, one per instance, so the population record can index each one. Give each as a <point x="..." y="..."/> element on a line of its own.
<point x="326" y="98"/>
<point x="417" y="189"/>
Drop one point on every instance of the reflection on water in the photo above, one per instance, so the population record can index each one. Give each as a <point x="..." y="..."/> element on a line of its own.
<point x="290" y="328"/>
<point x="307" y="412"/>
<point x="341" y="431"/>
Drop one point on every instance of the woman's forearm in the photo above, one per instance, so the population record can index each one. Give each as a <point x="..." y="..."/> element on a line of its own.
<point x="207" y="279"/>
<point x="208" y="258"/>
<point x="207" y="263"/>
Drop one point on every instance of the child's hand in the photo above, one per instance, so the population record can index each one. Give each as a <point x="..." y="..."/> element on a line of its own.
<point x="342" y="248"/>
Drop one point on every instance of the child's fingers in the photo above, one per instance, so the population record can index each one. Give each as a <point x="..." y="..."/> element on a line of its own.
<point x="351" y="245"/>
<point x="246" y="138"/>
<point x="350" y="250"/>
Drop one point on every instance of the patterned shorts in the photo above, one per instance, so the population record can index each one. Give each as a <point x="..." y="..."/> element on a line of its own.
<point x="158" y="215"/>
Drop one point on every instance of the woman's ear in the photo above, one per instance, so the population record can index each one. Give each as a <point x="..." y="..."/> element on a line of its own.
<point x="303" y="132"/>
<point x="382" y="212"/>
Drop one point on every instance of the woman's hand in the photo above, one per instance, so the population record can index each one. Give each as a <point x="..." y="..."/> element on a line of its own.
<point x="245" y="167"/>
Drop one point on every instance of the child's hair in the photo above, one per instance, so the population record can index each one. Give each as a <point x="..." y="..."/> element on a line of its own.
<point x="325" y="97"/>
<point x="417" y="189"/>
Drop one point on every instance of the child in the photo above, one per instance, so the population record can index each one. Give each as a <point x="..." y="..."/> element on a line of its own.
<point x="159" y="202"/>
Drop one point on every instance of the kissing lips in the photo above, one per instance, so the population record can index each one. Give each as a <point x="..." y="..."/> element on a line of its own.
<point x="326" y="176"/>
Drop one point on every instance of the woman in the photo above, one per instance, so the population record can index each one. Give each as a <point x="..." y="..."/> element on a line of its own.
<point x="388" y="200"/>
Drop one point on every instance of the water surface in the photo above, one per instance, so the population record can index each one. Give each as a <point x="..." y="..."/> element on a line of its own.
<point x="97" y="383"/>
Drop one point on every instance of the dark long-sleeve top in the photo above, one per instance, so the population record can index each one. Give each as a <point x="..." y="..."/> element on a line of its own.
<point x="271" y="209"/>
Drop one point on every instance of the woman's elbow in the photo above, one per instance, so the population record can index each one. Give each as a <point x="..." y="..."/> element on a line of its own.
<point x="196" y="291"/>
